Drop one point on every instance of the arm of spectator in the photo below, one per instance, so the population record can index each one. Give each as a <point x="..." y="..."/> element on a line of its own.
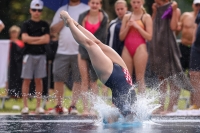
<point x="147" y="32"/>
<point x="180" y="23"/>
<point x="35" y="40"/>
<point x="125" y="27"/>
<point x="45" y="39"/>
<point x="175" y="16"/>
<point x="194" y="34"/>
<point x="154" y="9"/>
<point x="2" y="26"/>
<point x="57" y="23"/>
<point x="56" y="28"/>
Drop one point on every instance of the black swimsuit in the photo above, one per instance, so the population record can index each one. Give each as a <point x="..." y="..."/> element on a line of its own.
<point x="120" y="82"/>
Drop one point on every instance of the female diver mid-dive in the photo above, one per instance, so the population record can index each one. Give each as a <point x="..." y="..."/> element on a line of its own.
<point x="108" y="65"/>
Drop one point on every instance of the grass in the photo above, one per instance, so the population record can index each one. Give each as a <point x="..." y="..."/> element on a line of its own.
<point x="51" y="103"/>
<point x="66" y="103"/>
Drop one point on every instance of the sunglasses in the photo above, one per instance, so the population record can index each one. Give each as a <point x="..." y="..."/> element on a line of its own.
<point x="197" y="5"/>
<point x="34" y="10"/>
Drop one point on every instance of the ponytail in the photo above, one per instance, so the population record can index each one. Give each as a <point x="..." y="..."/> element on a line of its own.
<point x="144" y="10"/>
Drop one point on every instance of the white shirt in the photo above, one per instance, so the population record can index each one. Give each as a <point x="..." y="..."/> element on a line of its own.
<point x="112" y="30"/>
<point x="66" y="43"/>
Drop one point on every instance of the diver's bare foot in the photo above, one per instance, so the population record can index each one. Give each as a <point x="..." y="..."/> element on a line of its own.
<point x="65" y="17"/>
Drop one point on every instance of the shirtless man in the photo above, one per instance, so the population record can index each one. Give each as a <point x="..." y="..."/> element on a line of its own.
<point x="187" y="27"/>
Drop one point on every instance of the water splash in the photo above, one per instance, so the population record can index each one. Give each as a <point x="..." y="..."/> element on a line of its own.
<point x="143" y="107"/>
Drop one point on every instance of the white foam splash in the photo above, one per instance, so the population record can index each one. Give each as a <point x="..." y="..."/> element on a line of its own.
<point x="143" y="107"/>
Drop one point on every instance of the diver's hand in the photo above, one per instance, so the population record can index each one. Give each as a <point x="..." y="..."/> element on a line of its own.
<point x="65" y="17"/>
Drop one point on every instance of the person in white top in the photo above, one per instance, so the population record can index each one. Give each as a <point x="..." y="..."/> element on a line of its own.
<point x="2" y="26"/>
<point x="66" y="56"/>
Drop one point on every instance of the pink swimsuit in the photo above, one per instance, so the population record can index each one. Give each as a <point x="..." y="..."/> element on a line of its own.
<point x="92" y="27"/>
<point x="134" y="39"/>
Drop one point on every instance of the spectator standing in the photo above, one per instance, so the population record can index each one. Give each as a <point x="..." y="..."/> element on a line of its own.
<point x="53" y="46"/>
<point x="2" y="26"/>
<point x="195" y="61"/>
<point x="67" y="56"/>
<point x="187" y="27"/>
<point x="94" y="20"/>
<point x="35" y="34"/>
<point x="135" y="30"/>
<point x="164" y="55"/>
<point x="114" y="27"/>
<point x="15" y="63"/>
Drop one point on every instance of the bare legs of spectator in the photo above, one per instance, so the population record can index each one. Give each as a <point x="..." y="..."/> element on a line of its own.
<point x="86" y="83"/>
<point x="25" y="91"/>
<point x="195" y="80"/>
<point x="137" y="62"/>
<point x="173" y="97"/>
<point x="104" y="91"/>
<point x="140" y="62"/>
<point x="59" y="91"/>
<point x="163" y="91"/>
<point x="75" y="93"/>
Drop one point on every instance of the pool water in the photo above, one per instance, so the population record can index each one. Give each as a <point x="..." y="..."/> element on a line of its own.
<point x="83" y="124"/>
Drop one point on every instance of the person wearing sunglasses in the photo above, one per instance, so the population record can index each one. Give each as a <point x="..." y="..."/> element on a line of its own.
<point x="35" y="35"/>
<point x="187" y="28"/>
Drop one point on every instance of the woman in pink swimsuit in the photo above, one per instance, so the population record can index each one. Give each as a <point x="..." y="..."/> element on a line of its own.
<point x="95" y="21"/>
<point x="136" y="29"/>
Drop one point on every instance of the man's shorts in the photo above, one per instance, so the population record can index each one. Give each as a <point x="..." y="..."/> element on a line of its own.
<point x="194" y="60"/>
<point x="34" y="66"/>
<point x="62" y="66"/>
<point x="185" y="59"/>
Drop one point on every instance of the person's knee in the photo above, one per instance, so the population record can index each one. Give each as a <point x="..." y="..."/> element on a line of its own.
<point x="38" y="81"/>
<point x="26" y="81"/>
<point x="194" y="76"/>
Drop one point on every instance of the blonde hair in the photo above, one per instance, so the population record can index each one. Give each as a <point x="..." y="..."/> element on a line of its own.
<point x="14" y="28"/>
<point x="121" y="1"/>
<point x="144" y="10"/>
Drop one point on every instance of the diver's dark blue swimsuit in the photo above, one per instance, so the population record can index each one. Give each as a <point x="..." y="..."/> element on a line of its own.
<point x="120" y="82"/>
